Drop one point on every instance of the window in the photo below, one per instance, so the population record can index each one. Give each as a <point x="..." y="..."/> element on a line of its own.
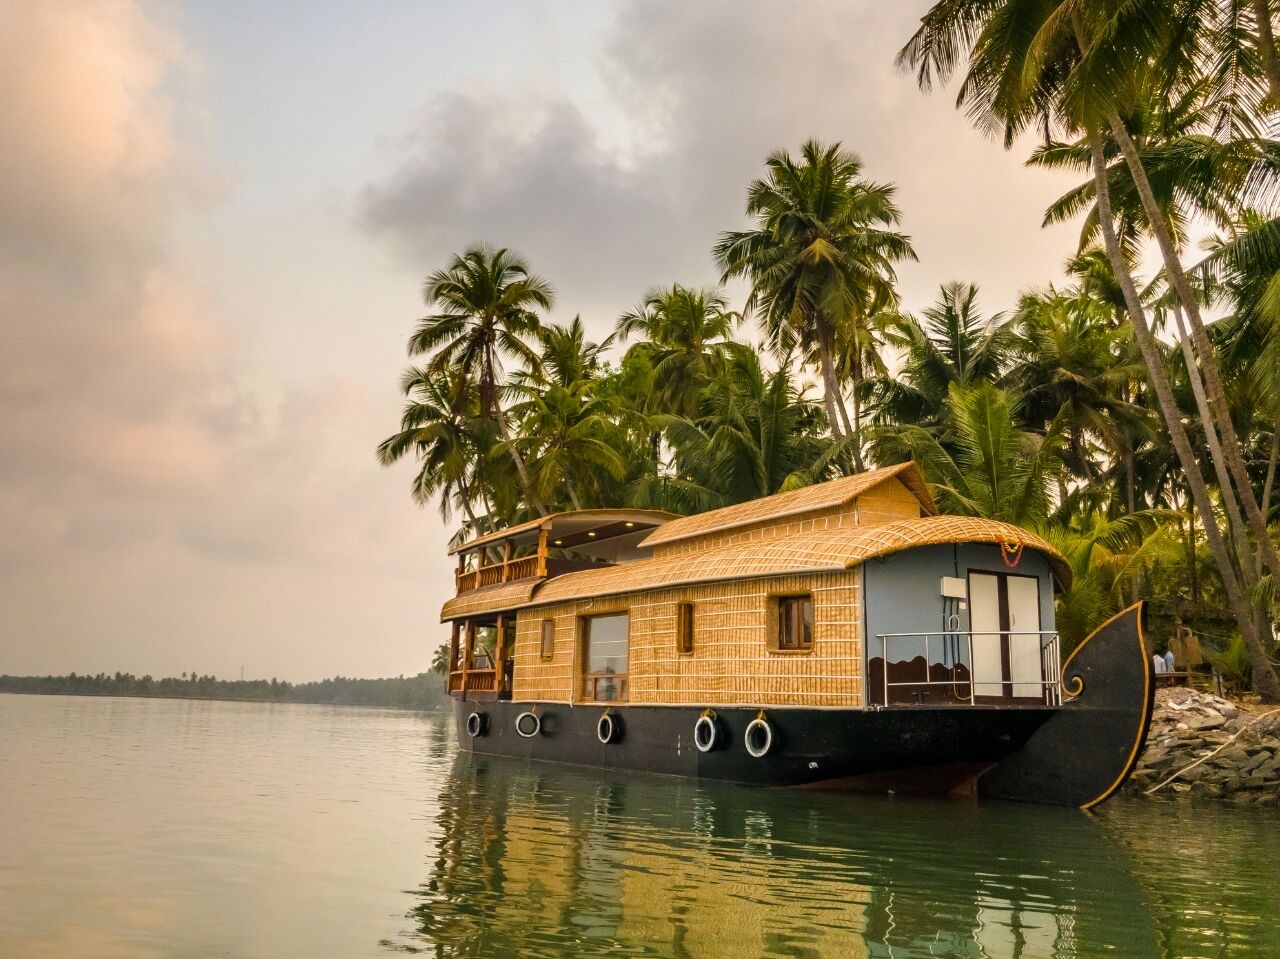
<point x="684" y="629"/>
<point x="483" y="644"/>
<point x="795" y="623"/>
<point x="548" y="639"/>
<point x="605" y="641"/>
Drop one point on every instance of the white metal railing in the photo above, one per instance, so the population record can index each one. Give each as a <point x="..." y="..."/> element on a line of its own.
<point x="953" y="641"/>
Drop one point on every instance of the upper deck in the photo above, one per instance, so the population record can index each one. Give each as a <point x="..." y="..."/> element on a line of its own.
<point x="553" y="545"/>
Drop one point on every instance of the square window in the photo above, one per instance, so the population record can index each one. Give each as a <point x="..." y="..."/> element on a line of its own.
<point x="794" y="623"/>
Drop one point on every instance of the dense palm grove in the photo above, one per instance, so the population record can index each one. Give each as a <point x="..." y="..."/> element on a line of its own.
<point x="1129" y="413"/>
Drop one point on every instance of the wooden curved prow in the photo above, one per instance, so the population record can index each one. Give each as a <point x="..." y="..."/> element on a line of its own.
<point x="1087" y="749"/>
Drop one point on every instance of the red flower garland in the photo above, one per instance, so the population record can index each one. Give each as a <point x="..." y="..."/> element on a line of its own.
<point x="1010" y="550"/>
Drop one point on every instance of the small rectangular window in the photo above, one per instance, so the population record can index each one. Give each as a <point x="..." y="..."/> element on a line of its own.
<point x="684" y="629"/>
<point x="548" y="639"/>
<point x="795" y="622"/>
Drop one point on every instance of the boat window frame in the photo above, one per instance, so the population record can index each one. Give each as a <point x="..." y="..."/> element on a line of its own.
<point x="584" y="651"/>
<point x="547" y="649"/>
<point x="684" y="629"/>
<point x="776" y="630"/>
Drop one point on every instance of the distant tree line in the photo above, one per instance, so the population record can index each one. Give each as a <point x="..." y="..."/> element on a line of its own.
<point x="423" y="691"/>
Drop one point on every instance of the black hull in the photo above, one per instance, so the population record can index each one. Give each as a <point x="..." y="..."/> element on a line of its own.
<point x="915" y="749"/>
<point x="1077" y="754"/>
<point x="1089" y="747"/>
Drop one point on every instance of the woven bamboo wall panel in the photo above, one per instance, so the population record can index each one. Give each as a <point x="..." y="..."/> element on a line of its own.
<point x="887" y="503"/>
<point x="731" y="662"/>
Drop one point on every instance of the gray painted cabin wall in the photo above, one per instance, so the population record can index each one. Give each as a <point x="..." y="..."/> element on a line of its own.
<point x="902" y="591"/>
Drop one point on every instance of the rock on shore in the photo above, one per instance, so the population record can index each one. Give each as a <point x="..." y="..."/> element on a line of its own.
<point x="1189" y="725"/>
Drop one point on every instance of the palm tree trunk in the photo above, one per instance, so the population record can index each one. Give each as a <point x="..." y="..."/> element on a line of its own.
<point x="573" y="494"/>
<point x="1192" y="566"/>
<point x="1234" y="523"/>
<point x="464" y="497"/>
<point x="1263" y="675"/>
<point x="1220" y="410"/>
<point x="844" y="413"/>
<point x="1269" y="485"/>
<point x="855" y="428"/>
<point x="1267" y="47"/>
<point x="1130" y="484"/>
<point x="829" y="387"/>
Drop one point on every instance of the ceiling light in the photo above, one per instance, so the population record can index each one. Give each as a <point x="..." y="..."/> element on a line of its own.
<point x="591" y="533"/>
<point x="629" y="525"/>
<point x="558" y="542"/>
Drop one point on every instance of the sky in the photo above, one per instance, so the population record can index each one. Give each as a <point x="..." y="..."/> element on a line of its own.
<point x="215" y="219"/>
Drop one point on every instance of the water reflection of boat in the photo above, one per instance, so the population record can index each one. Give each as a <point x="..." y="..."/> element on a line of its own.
<point x="842" y="634"/>
<point x="545" y="861"/>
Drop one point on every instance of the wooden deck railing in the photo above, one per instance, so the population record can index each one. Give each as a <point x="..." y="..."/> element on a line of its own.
<point x="481" y="680"/>
<point x="525" y="567"/>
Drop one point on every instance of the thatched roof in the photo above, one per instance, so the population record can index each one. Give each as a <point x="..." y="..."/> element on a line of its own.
<point x="829" y="550"/>
<point x="807" y="499"/>
<point x="491" y="599"/>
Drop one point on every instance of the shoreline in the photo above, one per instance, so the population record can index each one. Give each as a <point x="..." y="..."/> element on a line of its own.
<point x="1204" y="747"/>
<point x="222" y="699"/>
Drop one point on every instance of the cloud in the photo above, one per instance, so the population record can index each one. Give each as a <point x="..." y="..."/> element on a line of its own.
<point x="188" y="412"/>
<point x="707" y="91"/>
<point x="159" y="509"/>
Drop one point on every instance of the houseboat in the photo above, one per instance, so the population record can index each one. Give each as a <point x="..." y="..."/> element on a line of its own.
<point x="842" y="635"/>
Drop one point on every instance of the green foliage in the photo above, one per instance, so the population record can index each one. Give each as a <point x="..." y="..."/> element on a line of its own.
<point x="424" y="691"/>
<point x="1043" y="415"/>
<point x="983" y="463"/>
<point x="1232" y="661"/>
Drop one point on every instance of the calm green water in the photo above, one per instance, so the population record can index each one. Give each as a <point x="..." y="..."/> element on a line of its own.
<point x="156" y="828"/>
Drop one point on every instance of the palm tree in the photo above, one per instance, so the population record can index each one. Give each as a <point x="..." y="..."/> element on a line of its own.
<point x="440" y="427"/>
<point x="685" y="334"/>
<point x="989" y="466"/>
<point x="486" y="301"/>
<point x="820" y="258"/>
<point x="1096" y="92"/>
<point x="440" y="659"/>
<point x="954" y="343"/>
<point x="757" y="435"/>
<point x="1190" y="174"/>
<point x="564" y="436"/>
<point x="571" y="426"/>
<point x="1076" y="64"/>
<point x="1075" y="369"/>
<point x="1105" y="555"/>
<point x="567" y="355"/>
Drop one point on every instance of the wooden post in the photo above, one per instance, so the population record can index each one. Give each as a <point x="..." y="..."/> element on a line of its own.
<point x="542" y="551"/>
<point x="508" y="548"/>
<point x="468" y="648"/>
<point x="453" y="657"/>
<point x="500" y="653"/>
<point x="457" y="574"/>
